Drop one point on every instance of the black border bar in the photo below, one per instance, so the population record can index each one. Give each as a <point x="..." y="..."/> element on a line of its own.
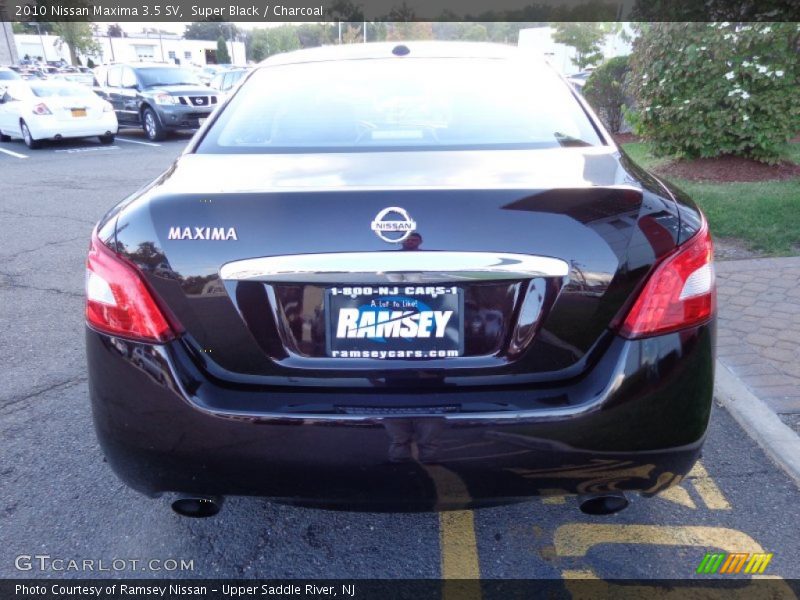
<point x="528" y="11"/>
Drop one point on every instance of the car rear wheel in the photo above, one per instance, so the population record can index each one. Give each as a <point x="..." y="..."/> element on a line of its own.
<point x="152" y="126"/>
<point x="106" y="139"/>
<point x="28" y="138"/>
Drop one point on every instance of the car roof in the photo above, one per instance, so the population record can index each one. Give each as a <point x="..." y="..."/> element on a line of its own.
<point x="375" y="50"/>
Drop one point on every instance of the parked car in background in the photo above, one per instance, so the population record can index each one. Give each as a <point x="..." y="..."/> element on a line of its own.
<point x="225" y="81"/>
<point x="75" y="77"/>
<point x="578" y="80"/>
<point x="42" y="110"/>
<point x="31" y="72"/>
<point x="158" y="97"/>
<point x="207" y="73"/>
<point x="7" y="74"/>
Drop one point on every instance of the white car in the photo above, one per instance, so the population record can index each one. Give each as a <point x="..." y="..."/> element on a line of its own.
<point x="45" y="110"/>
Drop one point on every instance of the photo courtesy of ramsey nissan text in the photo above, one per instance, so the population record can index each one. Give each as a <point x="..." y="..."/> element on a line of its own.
<point x="403" y="301"/>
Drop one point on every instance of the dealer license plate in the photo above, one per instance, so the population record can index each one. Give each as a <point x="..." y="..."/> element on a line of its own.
<point x="394" y="322"/>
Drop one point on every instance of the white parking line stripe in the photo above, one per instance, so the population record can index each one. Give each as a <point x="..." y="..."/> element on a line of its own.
<point x="119" y="139"/>
<point x="87" y="149"/>
<point x="14" y="154"/>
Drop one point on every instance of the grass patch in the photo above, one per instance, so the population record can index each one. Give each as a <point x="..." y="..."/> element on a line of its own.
<point x="765" y="214"/>
<point x="640" y="154"/>
<point x="792" y="152"/>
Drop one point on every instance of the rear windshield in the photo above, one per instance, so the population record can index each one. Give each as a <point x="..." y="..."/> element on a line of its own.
<point x="394" y="104"/>
<point x="166" y="76"/>
<point x="65" y="90"/>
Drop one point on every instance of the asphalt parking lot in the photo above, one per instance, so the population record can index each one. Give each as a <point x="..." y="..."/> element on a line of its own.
<point x="58" y="497"/>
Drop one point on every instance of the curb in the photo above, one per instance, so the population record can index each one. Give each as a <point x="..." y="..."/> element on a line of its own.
<point x="776" y="438"/>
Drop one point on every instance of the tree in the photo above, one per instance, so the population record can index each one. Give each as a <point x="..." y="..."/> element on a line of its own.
<point x="223" y="58"/>
<point x="210" y="30"/>
<point x="114" y="30"/>
<point x="586" y="38"/>
<point x="606" y="91"/>
<point x="78" y="38"/>
<point x="32" y="27"/>
<point x="266" y="42"/>
<point x="710" y="89"/>
<point x="409" y="30"/>
<point x="312" y="35"/>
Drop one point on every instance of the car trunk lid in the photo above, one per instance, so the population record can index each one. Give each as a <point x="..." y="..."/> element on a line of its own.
<point x="247" y="250"/>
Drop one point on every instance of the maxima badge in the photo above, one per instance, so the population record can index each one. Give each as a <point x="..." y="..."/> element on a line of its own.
<point x="383" y="225"/>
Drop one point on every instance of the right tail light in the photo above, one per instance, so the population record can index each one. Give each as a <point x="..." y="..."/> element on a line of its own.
<point x="681" y="291"/>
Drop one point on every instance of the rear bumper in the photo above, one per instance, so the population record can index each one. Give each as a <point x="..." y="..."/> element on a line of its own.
<point x="634" y="422"/>
<point x="44" y="129"/>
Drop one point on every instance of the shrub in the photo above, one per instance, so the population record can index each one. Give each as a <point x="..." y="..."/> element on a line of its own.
<point x="606" y="91"/>
<point x="223" y="58"/>
<point x="708" y="89"/>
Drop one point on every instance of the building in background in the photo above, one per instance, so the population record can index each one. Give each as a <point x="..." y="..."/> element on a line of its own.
<point x="133" y="48"/>
<point x="8" y="49"/>
<point x="539" y="41"/>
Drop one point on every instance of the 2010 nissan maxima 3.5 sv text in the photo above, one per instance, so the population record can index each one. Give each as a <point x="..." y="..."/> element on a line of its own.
<point x="377" y="267"/>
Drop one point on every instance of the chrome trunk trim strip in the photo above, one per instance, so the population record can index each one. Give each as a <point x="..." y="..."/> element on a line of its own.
<point x="393" y="266"/>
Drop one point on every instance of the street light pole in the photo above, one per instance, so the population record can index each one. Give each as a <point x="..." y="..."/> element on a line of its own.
<point x="41" y="41"/>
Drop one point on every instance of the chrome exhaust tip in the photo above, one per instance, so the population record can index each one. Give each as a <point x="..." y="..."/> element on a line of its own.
<point x="197" y="507"/>
<point x="604" y="504"/>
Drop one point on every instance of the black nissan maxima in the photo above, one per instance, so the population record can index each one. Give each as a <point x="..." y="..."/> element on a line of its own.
<point x="401" y="277"/>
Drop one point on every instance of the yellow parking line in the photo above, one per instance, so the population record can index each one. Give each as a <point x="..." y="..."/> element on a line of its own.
<point x="553" y="496"/>
<point x="678" y="495"/>
<point x="708" y="490"/>
<point x="575" y="539"/>
<point x="458" y="545"/>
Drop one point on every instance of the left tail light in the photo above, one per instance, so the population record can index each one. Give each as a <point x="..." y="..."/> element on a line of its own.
<point x="119" y="301"/>
<point x="41" y="109"/>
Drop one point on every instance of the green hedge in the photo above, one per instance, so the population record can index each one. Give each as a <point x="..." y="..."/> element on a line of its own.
<point x="708" y="89"/>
